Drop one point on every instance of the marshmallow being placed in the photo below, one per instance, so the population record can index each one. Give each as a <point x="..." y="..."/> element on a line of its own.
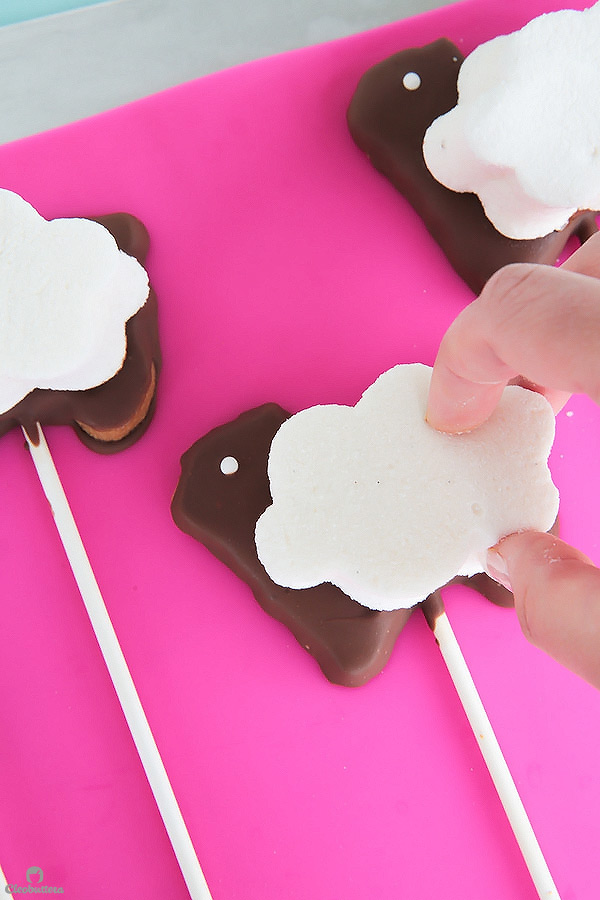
<point x="67" y="292"/>
<point x="525" y="132"/>
<point x="375" y="501"/>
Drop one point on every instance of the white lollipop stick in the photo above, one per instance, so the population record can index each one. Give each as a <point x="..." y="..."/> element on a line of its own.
<point x="490" y="749"/>
<point x="118" y="669"/>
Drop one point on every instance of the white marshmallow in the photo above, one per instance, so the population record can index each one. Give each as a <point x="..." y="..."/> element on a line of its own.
<point x="66" y="292"/>
<point x="374" y="500"/>
<point x="525" y="133"/>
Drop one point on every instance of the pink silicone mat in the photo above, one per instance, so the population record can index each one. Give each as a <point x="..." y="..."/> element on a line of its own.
<point x="286" y="270"/>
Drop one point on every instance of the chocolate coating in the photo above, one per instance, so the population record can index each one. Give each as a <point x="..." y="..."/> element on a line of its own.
<point x="350" y="642"/>
<point x="112" y="407"/>
<point x="388" y="122"/>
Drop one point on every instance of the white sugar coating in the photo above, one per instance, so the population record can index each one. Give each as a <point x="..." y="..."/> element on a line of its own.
<point x="229" y="465"/>
<point x="412" y="81"/>
<point x="374" y="500"/>
<point x="66" y="293"/>
<point x="525" y="133"/>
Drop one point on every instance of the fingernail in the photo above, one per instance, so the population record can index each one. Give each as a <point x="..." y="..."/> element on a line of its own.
<point x="497" y="569"/>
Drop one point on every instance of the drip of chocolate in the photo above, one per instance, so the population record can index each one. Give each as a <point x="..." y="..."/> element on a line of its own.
<point x="115" y="414"/>
<point x="388" y="121"/>
<point x="219" y="506"/>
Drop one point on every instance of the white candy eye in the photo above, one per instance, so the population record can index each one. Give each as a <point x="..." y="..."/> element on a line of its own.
<point x="229" y="465"/>
<point x="411" y="81"/>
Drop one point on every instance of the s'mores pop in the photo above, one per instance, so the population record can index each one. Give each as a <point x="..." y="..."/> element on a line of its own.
<point x="524" y="135"/>
<point x="79" y="346"/>
<point x="369" y="508"/>
<point x="498" y="152"/>
<point x="343" y="519"/>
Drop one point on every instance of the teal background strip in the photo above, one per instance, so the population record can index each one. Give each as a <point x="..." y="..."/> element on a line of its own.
<point x="12" y="11"/>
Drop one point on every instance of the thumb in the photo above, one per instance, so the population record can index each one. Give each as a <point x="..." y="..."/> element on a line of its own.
<point x="557" y="598"/>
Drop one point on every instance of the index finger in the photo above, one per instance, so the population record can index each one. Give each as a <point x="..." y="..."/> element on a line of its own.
<point x="534" y="321"/>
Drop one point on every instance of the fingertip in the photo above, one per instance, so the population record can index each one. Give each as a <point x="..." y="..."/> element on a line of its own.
<point x="455" y="404"/>
<point x="557" y="599"/>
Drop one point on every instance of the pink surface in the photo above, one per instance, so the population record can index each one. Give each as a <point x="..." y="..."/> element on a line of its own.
<point x="286" y="270"/>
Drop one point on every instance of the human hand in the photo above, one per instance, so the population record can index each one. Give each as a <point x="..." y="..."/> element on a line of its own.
<point x="540" y="325"/>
